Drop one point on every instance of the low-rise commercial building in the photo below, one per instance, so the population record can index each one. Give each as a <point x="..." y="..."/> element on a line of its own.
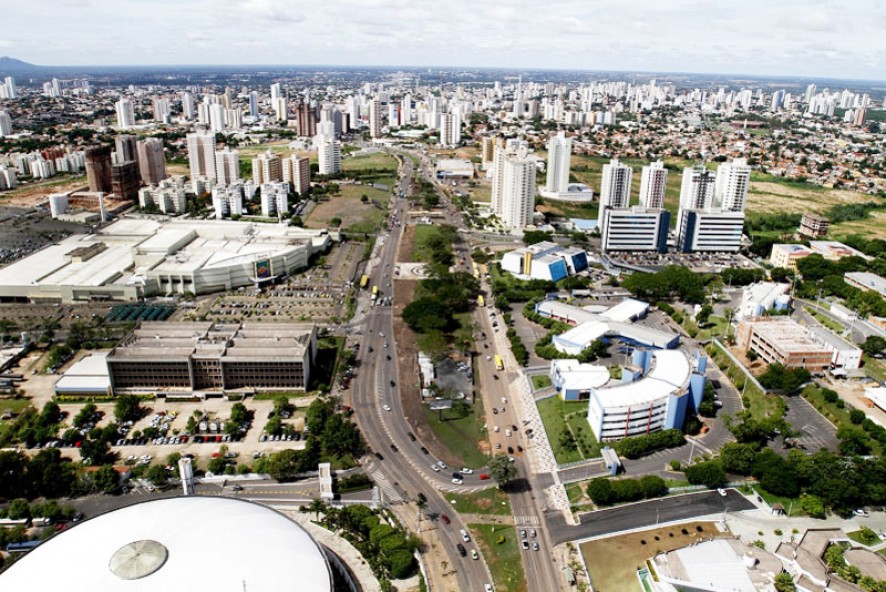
<point x="785" y="255"/>
<point x="574" y="381"/>
<point x="834" y="251"/>
<point x="656" y="393"/>
<point x="780" y="340"/>
<point x="169" y="359"/>
<point x="545" y="261"/>
<point x="864" y="280"/>
<point x="757" y="298"/>
<point x="814" y="225"/>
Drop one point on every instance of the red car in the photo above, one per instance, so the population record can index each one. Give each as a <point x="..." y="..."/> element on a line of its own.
<point x="483" y="476"/>
<point x="444" y="518"/>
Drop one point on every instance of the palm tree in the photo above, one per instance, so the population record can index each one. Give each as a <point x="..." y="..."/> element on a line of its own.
<point x="317" y="506"/>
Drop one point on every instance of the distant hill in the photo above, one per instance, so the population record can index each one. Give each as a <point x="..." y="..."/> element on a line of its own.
<point x="10" y="65"/>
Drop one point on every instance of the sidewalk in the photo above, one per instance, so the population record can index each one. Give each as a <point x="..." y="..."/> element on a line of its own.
<point x="440" y="575"/>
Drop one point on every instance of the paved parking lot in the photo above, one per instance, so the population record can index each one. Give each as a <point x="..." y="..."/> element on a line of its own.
<point x="816" y="432"/>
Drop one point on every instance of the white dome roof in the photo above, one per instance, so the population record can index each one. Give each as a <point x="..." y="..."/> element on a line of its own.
<point x="184" y="543"/>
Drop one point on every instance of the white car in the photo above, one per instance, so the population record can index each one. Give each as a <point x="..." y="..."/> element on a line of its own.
<point x="457" y="481"/>
<point x="436" y="468"/>
<point x="465" y="536"/>
<point x="386" y="407"/>
<point x="722" y="492"/>
<point x="507" y="432"/>
<point x="467" y="471"/>
<point x="504" y="400"/>
<point x="488" y="588"/>
<point x="495" y="429"/>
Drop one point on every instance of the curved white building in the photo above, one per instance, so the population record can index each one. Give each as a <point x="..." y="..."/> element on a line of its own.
<point x="185" y="543"/>
<point x="654" y="395"/>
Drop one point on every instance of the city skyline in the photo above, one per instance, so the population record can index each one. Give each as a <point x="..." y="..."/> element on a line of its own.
<point x="798" y="39"/>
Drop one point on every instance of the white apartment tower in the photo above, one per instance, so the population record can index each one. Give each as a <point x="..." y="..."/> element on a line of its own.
<point x="375" y="118"/>
<point x="201" y="155"/>
<point x="125" y="113"/>
<point x="5" y="124"/>
<point x="267" y="168"/>
<point x="8" y="89"/>
<point x="188" y="107"/>
<point x="513" y="184"/>
<point x="731" y="189"/>
<point x="329" y="156"/>
<point x="559" y="161"/>
<point x="227" y="166"/>
<point x="297" y="172"/>
<point x="653" y="184"/>
<point x="615" y="188"/>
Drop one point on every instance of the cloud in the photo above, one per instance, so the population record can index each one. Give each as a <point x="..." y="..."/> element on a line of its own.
<point x="571" y="24"/>
<point x="816" y="21"/>
<point x="271" y="10"/>
<point x="7" y="43"/>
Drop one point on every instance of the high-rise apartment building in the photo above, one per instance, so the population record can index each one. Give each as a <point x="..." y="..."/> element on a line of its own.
<point x="227" y="166"/>
<point x="253" y="104"/>
<point x="5" y="124"/>
<point x="8" y="89"/>
<point x="653" y="184"/>
<point x="125" y="148"/>
<point x="267" y="168"/>
<point x="188" y="107"/>
<point x="217" y="117"/>
<point x="201" y="154"/>
<point x="696" y="191"/>
<point x="162" y="110"/>
<point x="98" y="168"/>
<point x="125" y="180"/>
<point x="306" y="120"/>
<point x="297" y="172"/>
<point x="375" y="118"/>
<point x="733" y="181"/>
<point x="513" y="184"/>
<point x="281" y="109"/>
<point x="329" y="156"/>
<point x="151" y="161"/>
<point x="615" y="188"/>
<point x="125" y="113"/>
<point x="559" y="162"/>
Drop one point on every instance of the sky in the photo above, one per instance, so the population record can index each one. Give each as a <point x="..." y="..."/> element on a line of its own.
<point x="815" y="38"/>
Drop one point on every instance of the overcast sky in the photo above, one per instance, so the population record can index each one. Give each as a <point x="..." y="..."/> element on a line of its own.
<point x="818" y="38"/>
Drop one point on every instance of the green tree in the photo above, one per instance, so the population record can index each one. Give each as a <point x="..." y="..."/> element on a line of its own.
<point x="874" y="345"/>
<point x="502" y="470"/>
<point x="18" y="509"/>
<point x="127" y="408"/>
<point x="106" y="479"/>
<point x="600" y="491"/>
<point x="784" y="583"/>
<point x="738" y="458"/>
<point x="709" y="473"/>
<point x="157" y="475"/>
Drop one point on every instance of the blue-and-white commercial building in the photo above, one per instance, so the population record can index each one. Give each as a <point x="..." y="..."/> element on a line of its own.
<point x="574" y="381"/>
<point x="655" y="393"/>
<point x="596" y="322"/>
<point x="758" y="298"/>
<point x="545" y="261"/>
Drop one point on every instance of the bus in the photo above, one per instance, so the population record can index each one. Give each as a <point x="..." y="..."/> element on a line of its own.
<point x="21" y="547"/>
<point x="499" y="364"/>
<point x="364" y="281"/>
<point x="374" y="293"/>
<point x="480" y="300"/>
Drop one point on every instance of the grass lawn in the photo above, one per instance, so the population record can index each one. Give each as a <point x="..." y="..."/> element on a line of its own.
<point x="541" y="381"/>
<point x="613" y="562"/>
<point x="461" y="435"/>
<point x="424" y="233"/>
<point x="503" y="559"/>
<point x="715" y="327"/>
<point x="559" y="416"/>
<point x="875" y="369"/>
<point x="14" y="406"/>
<point x="576" y="492"/>
<point x="488" y="501"/>
<point x="838" y="416"/>
<point x="827" y="322"/>
<point x="856" y="536"/>
<point x="760" y="404"/>
<point x="355" y="216"/>
<point x="375" y="160"/>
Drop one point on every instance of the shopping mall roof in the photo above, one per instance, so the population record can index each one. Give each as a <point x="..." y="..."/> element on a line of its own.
<point x="184" y="543"/>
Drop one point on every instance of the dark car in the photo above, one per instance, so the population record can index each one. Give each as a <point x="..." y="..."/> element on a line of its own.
<point x="424" y="450"/>
<point x="379" y="456"/>
<point x="411" y="436"/>
<point x="394" y="448"/>
<point x="461" y="550"/>
<point x="444" y="518"/>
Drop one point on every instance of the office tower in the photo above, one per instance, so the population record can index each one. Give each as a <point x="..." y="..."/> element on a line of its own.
<point x="393" y="114"/>
<point x="98" y="168"/>
<point x="297" y="172"/>
<point x="217" y="117"/>
<point x="559" y="161"/>
<point x="125" y="148"/>
<point x="731" y="186"/>
<point x="306" y="120"/>
<point x="5" y="124"/>
<point x="201" y="155"/>
<point x="188" y="107"/>
<point x="635" y="229"/>
<point x="233" y="119"/>
<point x="125" y="180"/>
<point x="161" y="110"/>
<point x="151" y="161"/>
<point x="375" y="118"/>
<point x="227" y="166"/>
<point x="329" y="153"/>
<point x="653" y="184"/>
<point x="267" y="168"/>
<point x="326" y="129"/>
<point x="615" y="188"/>
<point x="275" y="91"/>
<point x="125" y="113"/>
<point x="253" y="104"/>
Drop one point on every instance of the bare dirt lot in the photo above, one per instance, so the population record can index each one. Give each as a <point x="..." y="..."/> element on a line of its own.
<point x="777" y="198"/>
